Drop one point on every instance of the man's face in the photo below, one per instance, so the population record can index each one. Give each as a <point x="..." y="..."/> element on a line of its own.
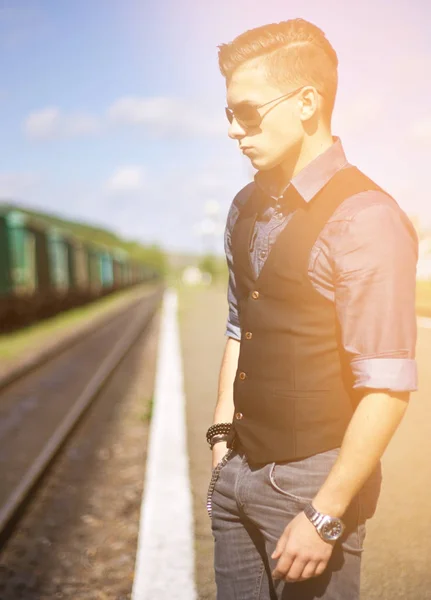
<point x="280" y="132"/>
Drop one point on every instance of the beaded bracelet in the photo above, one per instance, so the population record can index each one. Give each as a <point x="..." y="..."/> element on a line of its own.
<point x="218" y="428"/>
<point x="218" y="437"/>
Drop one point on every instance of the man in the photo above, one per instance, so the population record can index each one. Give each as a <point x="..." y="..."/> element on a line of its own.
<point x="319" y="360"/>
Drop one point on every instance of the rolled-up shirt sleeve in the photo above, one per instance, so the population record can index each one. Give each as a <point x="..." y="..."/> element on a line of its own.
<point x="375" y="287"/>
<point x="233" y="328"/>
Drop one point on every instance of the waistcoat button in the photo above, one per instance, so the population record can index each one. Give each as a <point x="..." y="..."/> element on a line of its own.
<point x="248" y="335"/>
<point x="242" y="375"/>
<point x="239" y="416"/>
<point x="255" y="295"/>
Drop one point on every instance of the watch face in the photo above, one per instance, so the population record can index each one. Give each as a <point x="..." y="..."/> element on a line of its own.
<point x="332" y="529"/>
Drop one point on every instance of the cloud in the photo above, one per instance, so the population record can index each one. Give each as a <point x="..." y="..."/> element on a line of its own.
<point x="127" y="180"/>
<point x="156" y="117"/>
<point x="50" y="123"/>
<point x="163" y="117"/>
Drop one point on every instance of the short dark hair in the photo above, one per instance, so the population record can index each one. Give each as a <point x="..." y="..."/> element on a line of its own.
<point x="294" y="52"/>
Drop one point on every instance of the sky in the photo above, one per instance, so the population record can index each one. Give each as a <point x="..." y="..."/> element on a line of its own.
<point x="112" y="111"/>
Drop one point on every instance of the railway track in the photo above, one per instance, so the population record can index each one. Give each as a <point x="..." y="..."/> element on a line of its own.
<point x="40" y="410"/>
<point x="52" y="350"/>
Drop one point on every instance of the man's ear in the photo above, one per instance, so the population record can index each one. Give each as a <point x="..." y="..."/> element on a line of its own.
<point x="309" y="101"/>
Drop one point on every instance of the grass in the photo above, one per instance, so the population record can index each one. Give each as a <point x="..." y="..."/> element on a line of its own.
<point x="147" y="414"/>
<point x="13" y="345"/>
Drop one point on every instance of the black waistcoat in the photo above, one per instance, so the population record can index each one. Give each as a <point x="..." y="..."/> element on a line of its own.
<point x="293" y="390"/>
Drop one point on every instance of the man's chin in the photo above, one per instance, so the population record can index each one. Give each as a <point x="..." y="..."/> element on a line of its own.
<point x="260" y="163"/>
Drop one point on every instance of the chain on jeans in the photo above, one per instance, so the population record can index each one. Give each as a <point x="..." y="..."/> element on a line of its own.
<point x="214" y="477"/>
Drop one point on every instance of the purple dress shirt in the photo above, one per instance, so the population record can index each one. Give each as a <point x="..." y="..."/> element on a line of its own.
<point x="364" y="261"/>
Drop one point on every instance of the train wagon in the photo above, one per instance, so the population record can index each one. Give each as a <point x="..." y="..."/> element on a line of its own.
<point x="24" y="267"/>
<point x="72" y="264"/>
<point x="46" y="269"/>
<point x="106" y="270"/>
<point x="59" y="267"/>
<point x="120" y="259"/>
<point x="94" y="270"/>
<point x="17" y="266"/>
<point x="78" y="270"/>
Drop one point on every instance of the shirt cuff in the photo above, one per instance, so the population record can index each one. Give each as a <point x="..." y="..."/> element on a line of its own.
<point x="233" y="331"/>
<point x="393" y="374"/>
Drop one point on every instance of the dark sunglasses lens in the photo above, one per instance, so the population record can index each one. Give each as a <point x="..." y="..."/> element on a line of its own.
<point x="246" y="116"/>
<point x="229" y="114"/>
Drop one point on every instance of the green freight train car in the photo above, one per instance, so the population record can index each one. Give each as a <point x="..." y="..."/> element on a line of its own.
<point x="119" y="265"/>
<point x="106" y="270"/>
<point x="18" y="269"/>
<point x="45" y="269"/>
<point x="59" y="250"/>
<point x="24" y="267"/>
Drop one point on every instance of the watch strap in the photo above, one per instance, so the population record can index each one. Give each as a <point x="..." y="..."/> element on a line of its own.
<point x="317" y="519"/>
<point x="313" y="515"/>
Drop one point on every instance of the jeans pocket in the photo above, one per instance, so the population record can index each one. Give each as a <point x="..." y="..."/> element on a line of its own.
<point x="300" y="480"/>
<point x="276" y="480"/>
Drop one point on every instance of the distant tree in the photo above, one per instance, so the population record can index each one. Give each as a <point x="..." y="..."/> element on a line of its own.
<point x="153" y="256"/>
<point x="214" y="265"/>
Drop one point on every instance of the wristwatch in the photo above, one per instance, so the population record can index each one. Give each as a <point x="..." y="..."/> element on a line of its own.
<point x="329" y="528"/>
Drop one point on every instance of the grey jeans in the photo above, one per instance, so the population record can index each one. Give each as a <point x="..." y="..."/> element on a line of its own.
<point x="251" y="506"/>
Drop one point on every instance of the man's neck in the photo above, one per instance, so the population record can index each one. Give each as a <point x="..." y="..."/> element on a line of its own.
<point x="311" y="148"/>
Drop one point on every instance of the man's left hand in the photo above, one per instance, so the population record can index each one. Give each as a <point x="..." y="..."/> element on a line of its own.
<point x="300" y="551"/>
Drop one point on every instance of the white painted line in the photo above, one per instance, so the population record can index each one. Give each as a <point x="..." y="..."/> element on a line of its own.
<point x="424" y="322"/>
<point x="165" y="557"/>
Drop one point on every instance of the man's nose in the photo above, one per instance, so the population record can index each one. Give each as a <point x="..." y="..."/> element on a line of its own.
<point x="235" y="131"/>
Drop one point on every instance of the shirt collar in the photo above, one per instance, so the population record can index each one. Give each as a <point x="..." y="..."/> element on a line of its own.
<point x="311" y="179"/>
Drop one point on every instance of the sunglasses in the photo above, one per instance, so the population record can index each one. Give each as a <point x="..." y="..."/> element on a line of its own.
<point x="248" y="115"/>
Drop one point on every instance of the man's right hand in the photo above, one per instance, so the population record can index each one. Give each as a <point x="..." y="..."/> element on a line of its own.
<point x="219" y="451"/>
